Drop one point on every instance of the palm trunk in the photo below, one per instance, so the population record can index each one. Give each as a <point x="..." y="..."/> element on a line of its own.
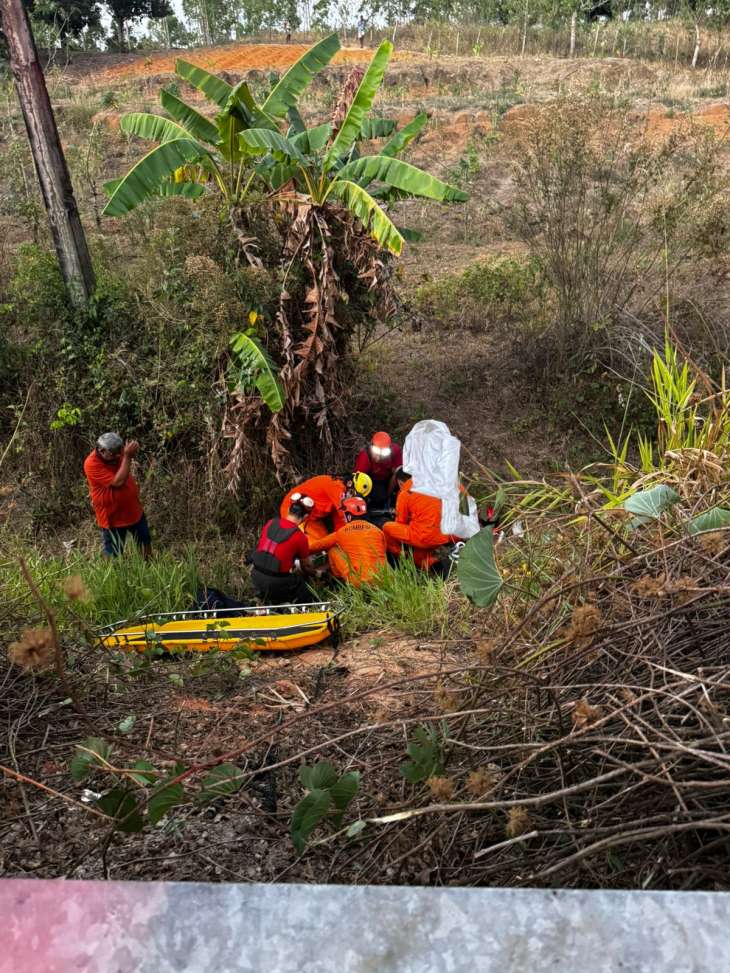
<point x="50" y="163"/>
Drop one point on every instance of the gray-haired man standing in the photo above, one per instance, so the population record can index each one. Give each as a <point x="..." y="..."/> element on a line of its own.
<point x="115" y="494"/>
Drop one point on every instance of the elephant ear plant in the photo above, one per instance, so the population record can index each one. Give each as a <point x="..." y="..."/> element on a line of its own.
<point x="330" y="204"/>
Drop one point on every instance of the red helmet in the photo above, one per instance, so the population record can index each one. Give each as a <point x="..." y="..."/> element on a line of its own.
<point x="355" y="506"/>
<point x="381" y="446"/>
<point x="381" y="440"/>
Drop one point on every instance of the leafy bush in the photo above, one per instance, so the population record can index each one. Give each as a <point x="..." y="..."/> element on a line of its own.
<point x="486" y="293"/>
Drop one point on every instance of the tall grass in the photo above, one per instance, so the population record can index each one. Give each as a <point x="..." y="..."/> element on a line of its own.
<point x="402" y="599"/>
<point x="117" y="588"/>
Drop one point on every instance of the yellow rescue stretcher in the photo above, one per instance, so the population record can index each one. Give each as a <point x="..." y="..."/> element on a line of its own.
<point x="273" y="628"/>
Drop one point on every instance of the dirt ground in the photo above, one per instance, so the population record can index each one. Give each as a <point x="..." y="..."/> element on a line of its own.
<point x="240" y="838"/>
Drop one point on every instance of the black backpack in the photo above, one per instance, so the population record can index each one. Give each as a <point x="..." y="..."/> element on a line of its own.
<point x="264" y="557"/>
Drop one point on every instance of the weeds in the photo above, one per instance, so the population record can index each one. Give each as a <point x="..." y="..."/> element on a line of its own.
<point x="403" y="599"/>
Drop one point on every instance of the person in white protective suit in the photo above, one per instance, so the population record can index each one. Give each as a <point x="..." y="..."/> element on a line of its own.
<point x="428" y="514"/>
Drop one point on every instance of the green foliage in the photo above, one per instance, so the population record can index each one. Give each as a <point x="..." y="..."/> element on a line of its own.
<point x="716" y="518"/>
<point x="486" y="293"/>
<point x="426" y="752"/>
<point x="222" y="781"/>
<point x="120" y="587"/>
<point x="403" y="599"/>
<point x="328" y="797"/>
<point x="479" y="575"/>
<point x="650" y="504"/>
<point x="93" y="753"/>
<point x="252" y="366"/>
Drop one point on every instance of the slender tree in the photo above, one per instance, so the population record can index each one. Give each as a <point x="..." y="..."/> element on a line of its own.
<point x="50" y="162"/>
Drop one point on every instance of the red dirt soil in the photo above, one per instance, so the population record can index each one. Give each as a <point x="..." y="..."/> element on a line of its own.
<point x="233" y="57"/>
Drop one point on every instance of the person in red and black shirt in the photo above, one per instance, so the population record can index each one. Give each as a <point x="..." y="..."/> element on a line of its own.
<point x="380" y="459"/>
<point x="280" y="545"/>
<point x="115" y="494"/>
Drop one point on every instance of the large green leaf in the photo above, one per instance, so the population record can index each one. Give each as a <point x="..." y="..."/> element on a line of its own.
<point x="223" y="780"/>
<point x="312" y="140"/>
<point x="212" y="87"/>
<point x="145" y="178"/>
<point x="713" y="519"/>
<point x="360" y="105"/>
<point x="400" y="175"/>
<point x="121" y="805"/>
<point x="364" y="207"/>
<point x="650" y="504"/>
<point x="406" y="135"/>
<point x="255" y="368"/>
<point x="343" y="792"/>
<point x="191" y="120"/>
<point x="165" y="798"/>
<point x="376" y="128"/>
<point x="287" y="91"/>
<point x="307" y="815"/>
<point x="187" y="190"/>
<point x="152" y="127"/>
<point x="479" y="576"/>
<point x="257" y="141"/>
<point x="320" y="776"/>
<point x="296" y="122"/>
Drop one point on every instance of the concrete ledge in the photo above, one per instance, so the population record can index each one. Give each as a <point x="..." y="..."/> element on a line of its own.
<point x="161" y="927"/>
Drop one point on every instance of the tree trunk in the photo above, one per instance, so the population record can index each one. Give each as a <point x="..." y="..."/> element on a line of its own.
<point x="697" y="46"/>
<point x="120" y="34"/>
<point x="50" y="163"/>
<point x="573" y="24"/>
<point x="524" y="28"/>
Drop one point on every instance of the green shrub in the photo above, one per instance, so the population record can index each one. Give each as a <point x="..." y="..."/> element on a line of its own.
<point x="486" y="293"/>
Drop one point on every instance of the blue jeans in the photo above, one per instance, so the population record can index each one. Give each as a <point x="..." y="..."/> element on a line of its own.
<point x="113" y="538"/>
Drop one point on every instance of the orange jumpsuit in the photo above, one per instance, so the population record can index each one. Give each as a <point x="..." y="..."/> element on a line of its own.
<point x="418" y="524"/>
<point x="356" y="552"/>
<point x="327" y="494"/>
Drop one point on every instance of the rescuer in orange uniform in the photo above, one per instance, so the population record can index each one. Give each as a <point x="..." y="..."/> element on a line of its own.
<point x="328" y="494"/>
<point x="417" y="524"/>
<point x="357" y="551"/>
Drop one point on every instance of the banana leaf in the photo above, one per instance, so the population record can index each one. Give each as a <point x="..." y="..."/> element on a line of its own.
<point x="296" y="122"/>
<point x="144" y="179"/>
<point x="255" y="368"/>
<point x="477" y="570"/>
<point x="188" y="190"/>
<point x="364" y="207"/>
<point x="405" y="136"/>
<point x="312" y="140"/>
<point x="196" y="124"/>
<point x="287" y="91"/>
<point x="360" y="105"/>
<point x="152" y="127"/>
<point x="376" y="128"/>
<point x="400" y="175"/>
<point x="214" y="88"/>
<point x="257" y="141"/>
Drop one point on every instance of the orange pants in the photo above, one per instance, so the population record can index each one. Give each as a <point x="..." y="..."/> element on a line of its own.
<point x="396" y="535"/>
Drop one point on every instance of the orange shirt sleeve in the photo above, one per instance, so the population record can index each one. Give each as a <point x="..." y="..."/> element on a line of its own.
<point x="322" y="543"/>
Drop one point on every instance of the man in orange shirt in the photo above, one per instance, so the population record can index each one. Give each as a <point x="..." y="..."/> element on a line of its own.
<point x="115" y="494"/>
<point x="417" y="524"/>
<point x="328" y="494"/>
<point x="356" y="552"/>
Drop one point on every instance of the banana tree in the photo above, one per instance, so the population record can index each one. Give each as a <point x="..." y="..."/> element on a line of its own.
<point x="338" y="237"/>
<point x="194" y="151"/>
